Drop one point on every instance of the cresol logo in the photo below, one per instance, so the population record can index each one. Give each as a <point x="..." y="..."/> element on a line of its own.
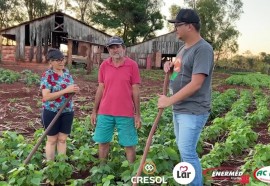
<point x="149" y="168"/>
<point x="263" y="174"/>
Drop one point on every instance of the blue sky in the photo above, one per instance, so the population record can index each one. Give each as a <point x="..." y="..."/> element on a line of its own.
<point x="254" y="25"/>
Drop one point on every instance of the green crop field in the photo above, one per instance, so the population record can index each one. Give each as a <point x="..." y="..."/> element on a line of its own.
<point x="236" y="135"/>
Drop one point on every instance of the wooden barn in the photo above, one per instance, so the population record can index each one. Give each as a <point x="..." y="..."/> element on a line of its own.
<point x="152" y="53"/>
<point x="31" y="40"/>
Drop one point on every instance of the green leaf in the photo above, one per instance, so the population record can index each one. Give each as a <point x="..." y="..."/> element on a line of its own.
<point x="125" y="163"/>
<point x="110" y="177"/>
<point x="172" y="153"/>
<point x="107" y="183"/>
<point x="20" y="180"/>
<point x="36" y="181"/>
<point x="3" y="183"/>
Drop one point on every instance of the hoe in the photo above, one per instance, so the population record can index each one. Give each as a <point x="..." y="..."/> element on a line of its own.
<point x="152" y="131"/>
<point x="26" y="161"/>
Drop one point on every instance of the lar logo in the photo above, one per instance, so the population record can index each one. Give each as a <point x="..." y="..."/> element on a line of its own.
<point x="149" y="167"/>
<point x="183" y="173"/>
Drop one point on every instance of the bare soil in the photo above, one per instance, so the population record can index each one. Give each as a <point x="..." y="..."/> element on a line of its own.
<point x="20" y="105"/>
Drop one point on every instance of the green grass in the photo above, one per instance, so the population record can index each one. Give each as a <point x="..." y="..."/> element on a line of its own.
<point x="152" y="74"/>
<point x="92" y="76"/>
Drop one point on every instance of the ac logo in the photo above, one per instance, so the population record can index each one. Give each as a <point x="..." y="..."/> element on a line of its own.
<point x="184" y="173"/>
<point x="262" y="174"/>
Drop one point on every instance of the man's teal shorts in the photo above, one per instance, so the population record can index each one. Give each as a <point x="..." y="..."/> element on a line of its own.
<point x="127" y="133"/>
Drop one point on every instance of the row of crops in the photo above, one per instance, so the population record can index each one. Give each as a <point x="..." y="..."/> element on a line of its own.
<point x="230" y="129"/>
<point x="82" y="156"/>
<point x="236" y="130"/>
<point x="26" y="76"/>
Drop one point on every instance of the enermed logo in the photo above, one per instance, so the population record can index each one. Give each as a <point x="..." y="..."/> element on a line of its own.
<point x="183" y="173"/>
<point x="263" y="174"/>
<point x="227" y="175"/>
<point x="149" y="168"/>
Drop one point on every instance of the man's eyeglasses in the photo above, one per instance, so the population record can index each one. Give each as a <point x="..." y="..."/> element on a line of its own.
<point x="176" y="25"/>
<point x="58" y="60"/>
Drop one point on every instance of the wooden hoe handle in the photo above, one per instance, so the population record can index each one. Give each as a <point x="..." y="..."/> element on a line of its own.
<point x="153" y="129"/>
<point x="26" y="161"/>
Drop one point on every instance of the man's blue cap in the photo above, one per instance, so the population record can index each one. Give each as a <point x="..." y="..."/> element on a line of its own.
<point x="115" y="40"/>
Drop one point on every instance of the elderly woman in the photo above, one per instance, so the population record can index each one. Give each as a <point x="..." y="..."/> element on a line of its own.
<point x="56" y="84"/>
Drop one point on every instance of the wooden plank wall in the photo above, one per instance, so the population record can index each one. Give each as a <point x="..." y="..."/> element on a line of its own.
<point x="17" y="49"/>
<point x="40" y="31"/>
<point x="22" y="43"/>
<point x="165" y="44"/>
<point x="79" y="31"/>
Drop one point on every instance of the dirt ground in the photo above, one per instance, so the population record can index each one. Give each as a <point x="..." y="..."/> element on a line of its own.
<point x="20" y="105"/>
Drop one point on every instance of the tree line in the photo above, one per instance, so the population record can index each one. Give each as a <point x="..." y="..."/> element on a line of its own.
<point x="135" y="21"/>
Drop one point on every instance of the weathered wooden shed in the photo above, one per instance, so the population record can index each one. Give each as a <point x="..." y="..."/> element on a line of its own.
<point x="150" y="53"/>
<point x="33" y="38"/>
